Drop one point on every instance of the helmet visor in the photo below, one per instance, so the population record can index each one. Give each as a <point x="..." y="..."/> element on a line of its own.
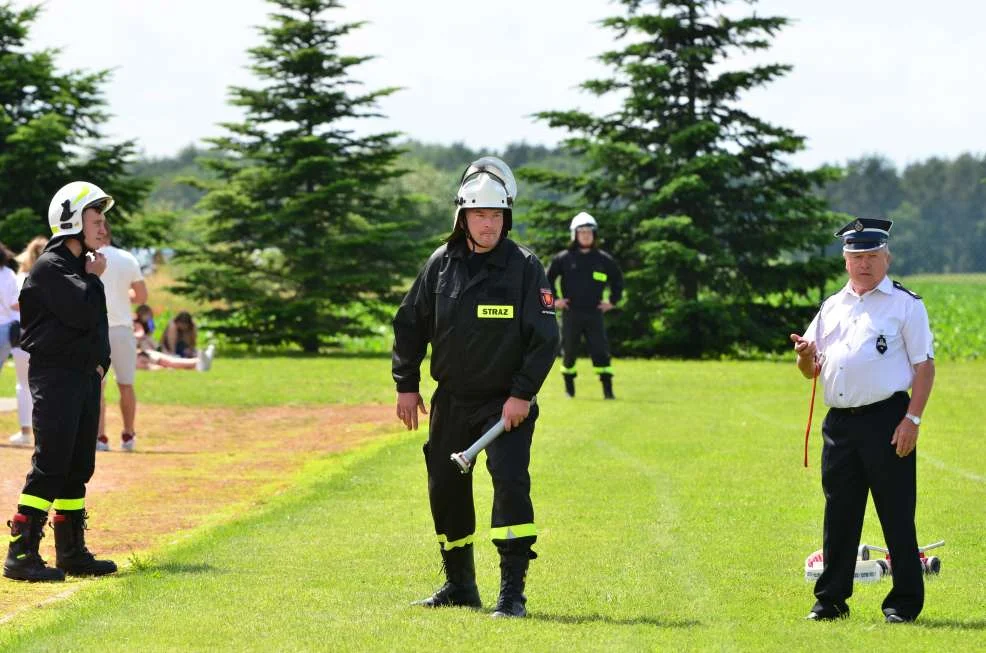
<point x="497" y="168"/>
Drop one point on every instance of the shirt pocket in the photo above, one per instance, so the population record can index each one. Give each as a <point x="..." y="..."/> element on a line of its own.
<point x="882" y="336"/>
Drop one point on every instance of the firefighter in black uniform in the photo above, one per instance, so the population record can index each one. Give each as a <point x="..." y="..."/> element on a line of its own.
<point x="871" y="343"/>
<point x="484" y="304"/>
<point x="63" y="314"/>
<point x="585" y="271"/>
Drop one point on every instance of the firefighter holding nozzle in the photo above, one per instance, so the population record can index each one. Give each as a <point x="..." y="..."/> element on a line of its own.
<point x="485" y="306"/>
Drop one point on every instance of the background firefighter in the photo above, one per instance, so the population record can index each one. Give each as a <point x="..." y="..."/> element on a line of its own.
<point x="585" y="272"/>
<point x="484" y="305"/>
<point x="65" y="331"/>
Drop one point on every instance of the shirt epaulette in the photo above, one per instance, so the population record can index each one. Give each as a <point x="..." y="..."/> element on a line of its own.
<point x="899" y="286"/>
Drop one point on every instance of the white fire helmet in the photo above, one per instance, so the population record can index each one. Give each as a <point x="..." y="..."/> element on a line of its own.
<point x="65" y="210"/>
<point x="583" y="219"/>
<point x="487" y="183"/>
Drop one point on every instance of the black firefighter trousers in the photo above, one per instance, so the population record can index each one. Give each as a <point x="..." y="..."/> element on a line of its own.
<point x="455" y="423"/>
<point x="66" y="421"/>
<point x="574" y="325"/>
<point x="858" y="458"/>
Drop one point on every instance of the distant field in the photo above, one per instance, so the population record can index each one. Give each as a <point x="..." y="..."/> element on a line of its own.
<point x="957" y="309"/>
<point x="675" y="518"/>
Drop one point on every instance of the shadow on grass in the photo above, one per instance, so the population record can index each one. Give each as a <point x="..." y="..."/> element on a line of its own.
<point x="175" y="568"/>
<point x="599" y="618"/>
<point x="971" y="624"/>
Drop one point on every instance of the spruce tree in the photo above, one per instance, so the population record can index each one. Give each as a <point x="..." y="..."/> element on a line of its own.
<point x="302" y="246"/>
<point x="719" y="236"/>
<point x="51" y="134"/>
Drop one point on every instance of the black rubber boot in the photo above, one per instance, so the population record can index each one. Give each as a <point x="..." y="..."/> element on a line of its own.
<point x="569" y="384"/>
<point x="23" y="560"/>
<point x="607" y="381"/>
<point x="71" y="554"/>
<point x="460" y="588"/>
<point x="513" y="574"/>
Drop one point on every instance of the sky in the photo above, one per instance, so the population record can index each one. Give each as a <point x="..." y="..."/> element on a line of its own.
<point x="888" y="77"/>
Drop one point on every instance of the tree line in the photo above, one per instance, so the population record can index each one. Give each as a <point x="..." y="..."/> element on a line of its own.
<point x="938" y="207"/>
<point x="300" y="231"/>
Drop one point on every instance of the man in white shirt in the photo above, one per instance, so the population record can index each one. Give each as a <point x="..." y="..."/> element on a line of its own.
<point x="871" y="343"/>
<point x="124" y="284"/>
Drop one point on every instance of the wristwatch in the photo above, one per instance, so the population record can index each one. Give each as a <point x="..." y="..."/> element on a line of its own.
<point x="914" y="418"/>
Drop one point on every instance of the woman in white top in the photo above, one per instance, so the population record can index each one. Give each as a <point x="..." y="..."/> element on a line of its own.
<point x="25" y="405"/>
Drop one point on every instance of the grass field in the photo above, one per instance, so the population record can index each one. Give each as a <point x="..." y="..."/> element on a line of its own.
<point x="956" y="306"/>
<point x="677" y="517"/>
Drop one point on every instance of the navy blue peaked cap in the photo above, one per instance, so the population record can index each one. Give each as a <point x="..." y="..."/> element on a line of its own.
<point x="864" y="234"/>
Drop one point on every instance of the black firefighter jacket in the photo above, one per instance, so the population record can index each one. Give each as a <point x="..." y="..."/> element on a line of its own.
<point x="63" y="313"/>
<point x="491" y="335"/>
<point x="584" y="275"/>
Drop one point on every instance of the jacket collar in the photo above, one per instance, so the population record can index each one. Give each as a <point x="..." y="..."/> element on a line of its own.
<point x="497" y="255"/>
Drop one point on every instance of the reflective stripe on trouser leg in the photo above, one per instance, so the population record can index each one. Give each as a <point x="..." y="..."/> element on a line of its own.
<point x="507" y="459"/>
<point x="569" y="371"/>
<point x="69" y="504"/>
<point x="449" y="491"/>
<point x="603" y="370"/>
<point x="34" y="502"/>
<point x="513" y="531"/>
<point x="454" y="544"/>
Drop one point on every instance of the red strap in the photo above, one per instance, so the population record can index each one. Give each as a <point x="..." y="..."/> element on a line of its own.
<point x="811" y="410"/>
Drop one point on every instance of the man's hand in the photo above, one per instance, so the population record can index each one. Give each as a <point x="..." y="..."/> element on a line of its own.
<point x="95" y="263"/>
<point x="807" y="356"/>
<point x="561" y="302"/>
<point x="408" y="405"/>
<point x="515" y="411"/>
<point x="605" y="307"/>
<point x="905" y="437"/>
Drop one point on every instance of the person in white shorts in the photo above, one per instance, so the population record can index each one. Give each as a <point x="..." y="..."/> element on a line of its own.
<point x="124" y="284"/>
<point x="25" y="405"/>
<point x="9" y="315"/>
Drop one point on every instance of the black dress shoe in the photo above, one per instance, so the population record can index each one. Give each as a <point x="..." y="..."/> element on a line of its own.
<point x="829" y="614"/>
<point x="894" y="618"/>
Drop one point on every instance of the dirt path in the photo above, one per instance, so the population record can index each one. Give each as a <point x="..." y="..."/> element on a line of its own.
<point x="190" y="463"/>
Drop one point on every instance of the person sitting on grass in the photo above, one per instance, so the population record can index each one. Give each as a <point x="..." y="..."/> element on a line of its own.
<point x="149" y="358"/>
<point x="180" y="337"/>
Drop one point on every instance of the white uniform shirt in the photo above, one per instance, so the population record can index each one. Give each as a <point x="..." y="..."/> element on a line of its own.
<point x="869" y="343"/>
<point x="122" y="269"/>
<point x="8" y="295"/>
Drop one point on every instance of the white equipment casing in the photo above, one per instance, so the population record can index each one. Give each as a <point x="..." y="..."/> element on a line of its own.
<point x="871" y="571"/>
<point x="867" y="571"/>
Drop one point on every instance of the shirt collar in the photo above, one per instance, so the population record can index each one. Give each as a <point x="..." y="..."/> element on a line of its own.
<point x="886" y="286"/>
